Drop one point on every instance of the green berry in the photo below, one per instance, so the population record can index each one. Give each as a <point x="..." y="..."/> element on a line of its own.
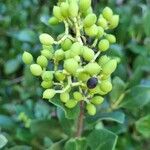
<point x="46" y="39"/>
<point x="47" y="76"/>
<point x="59" y="54"/>
<point x="73" y="9"/>
<point x="71" y="65"/>
<point x="103" y="45"/>
<point x="107" y="13"/>
<point x="111" y="38"/>
<point x="91" y="109"/>
<point x="48" y="54"/>
<point x="27" y="58"/>
<point x="102" y="22"/>
<point x="42" y="61"/>
<point x="97" y="100"/>
<point x="83" y="76"/>
<point x="91" y="31"/>
<point x="103" y="60"/>
<point x="84" y="5"/>
<point x="57" y="13"/>
<point x="113" y="23"/>
<point x="46" y="84"/>
<point x="48" y="47"/>
<point x="78" y="96"/>
<point x="109" y="67"/>
<point x="64" y="7"/>
<point x="75" y="49"/>
<point x="67" y="54"/>
<point x="36" y="69"/>
<point x="59" y="76"/>
<point x="89" y="11"/>
<point x="53" y="21"/>
<point x="49" y="93"/>
<point x="88" y="54"/>
<point x="92" y="68"/>
<point x="66" y="44"/>
<point x="71" y="103"/>
<point x="64" y="97"/>
<point x="95" y="90"/>
<point x="100" y="31"/>
<point x="106" y="86"/>
<point x="89" y="20"/>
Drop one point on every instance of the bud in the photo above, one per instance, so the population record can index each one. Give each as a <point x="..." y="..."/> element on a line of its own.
<point x="103" y="45"/>
<point x="42" y="61"/>
<point x="91" y="31"/>
<point x="27" y="58"/>
<point x="59" y="54"/>
<point x="47" y="54"/>
<point x="66" y="44"/>
<point x="36" y="69"/>
<point x="78" y="96"/>
<point x="49" y="93"/>
<point x="84" y="5"/>
<point x="57" y="13"/>
<point x="91" y="109"/>
<point x="46" y="84"/>
<point x="106" y="86"/>
<point x="88" y="54"/>
<point x="47" y="76"/>
<point x="64" y="97"/>
<point x="53" y="21"/>
<point x="107" y="13"/>
<point x="73" y="9"/>
<point x="111" y="38"/>
<point x="97" y="100"/>
<point x="46" y="39"/>
<point x="71" y="103"/>
<point x="113" y="23"/>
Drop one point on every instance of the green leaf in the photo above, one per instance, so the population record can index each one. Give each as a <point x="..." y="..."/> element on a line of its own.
<point x="143" y="126"/>
<point x="20" y="147"/>
<point x="102" y="139"/>
<point x="118" y="88"/>
<point x="3" y="141"/>
<point x="146" y="22"/>
<point x="76" y="144"/>
<point x="136" y="97"/>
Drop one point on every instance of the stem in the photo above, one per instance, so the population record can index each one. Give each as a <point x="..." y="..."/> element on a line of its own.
<point x="80" y="120"/>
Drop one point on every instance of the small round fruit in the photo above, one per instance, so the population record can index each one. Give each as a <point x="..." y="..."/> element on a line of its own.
<point x="106" y="86"/>
<point x="71" y="65"/>
<point x="59" y="54"/>
<point x="107" y="13"/>
<point x="88" y="54"/>
<point x="49" y="93"/>
<point x="57" y="13"/>
<point x="92" y="83"/>
<point x="42" y="61"/>
<point x="64" y="97"/>
<point x="103" y="45"/>
<point x="36" y="69"/>
<point x="48" y="47"/>
<point x="91" y="109"/>
<point x="91" y="31"/>
<point x="113" y="23"/>
<point x="102" y="22"/>
<point x="47" y="76"/>
<point x="97" y="100"/>
<point x="73" y="9"/>
<point x="46" y="84"/>
<point x="95" y="90"/>
<point x="46" y="39"/>
<point x="66" y="44"/>
<point x="71" y="103"/>
<point x="27" y="58"/>
<point x="59" y="76"/>
<point x="100" y="31"/>
<point x="64" y="7"/>
<point x="103" y="60"/>
<point x="111" y="38"/>
<point x="53" y="21"/>
<point x="84" y="5"/>
<point x="48" y="54"/>
<point x="78" y="96"/>
<point x="83" y="76"/>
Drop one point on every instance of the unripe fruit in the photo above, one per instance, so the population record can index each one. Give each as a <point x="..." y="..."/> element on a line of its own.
<point x="89" y="20"/>
<point x="113" y="23"/>
<point x="47" y="54"/>
<point x="83" y="76"/>
<point x="67" y="54"/>
<point x="75" y="49"/>
<point x="42" y="61"/>
<point x="66" y="44"/>
<point x="105" y="77"/>
<point x="100" y="31"/>
<point x="64" y="97"/>
<point x="77" y="58"/>
<point x="91" y="109"/>
<point x="88" y="54"/>
<point x="89" y="11"/>
<point x="103" y="45"/>
<point x="97" y="100"/>
<point x="59" y="76"/>
<point x="71" y="103"/>
<point x="59" y="54"/>
<point x="27" y="58"/>
<point x="47" y="76"/>
<point x="36" y="69"/>
<point x="78" y="96"/>
<point x="107" y="13"/>
<point x="64" y="7"/>
<point x="102" y="22"/>
<point x="95" y="90"/>
<point x="84" y="5"/>
<point x="70" y="65"/>
<point x="49" y="93"/>
<point x="109" y="67"/>
<point x="91" y="31"/>
<point x="53" y="21"/>
<point x="92" y="83"/>
<point x="92" y="68"/>
<point x="103" y="60"/>
<point x="73" y="9"/>
<point x="57" y="13"/>
<point x="48" y="47"/>
<point x="46" y="84"/>
<point x="111" y="38"/>
<point x="46" y="39"/>
<point x="106" y="86"/>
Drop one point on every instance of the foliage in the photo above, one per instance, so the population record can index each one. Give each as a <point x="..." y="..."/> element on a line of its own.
<point x="28" y="122"/>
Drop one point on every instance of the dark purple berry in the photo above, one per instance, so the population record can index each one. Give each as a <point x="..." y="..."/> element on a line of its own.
<point x="92" y="82"/>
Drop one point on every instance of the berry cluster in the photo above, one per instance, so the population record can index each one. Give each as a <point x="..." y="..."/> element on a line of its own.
<point x="80" y="71"/>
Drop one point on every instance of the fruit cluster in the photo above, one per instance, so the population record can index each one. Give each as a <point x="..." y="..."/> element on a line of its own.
<point x="74" y="65"/>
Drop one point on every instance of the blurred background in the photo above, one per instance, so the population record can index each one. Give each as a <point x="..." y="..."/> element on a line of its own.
<point x="25" y="119"/>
